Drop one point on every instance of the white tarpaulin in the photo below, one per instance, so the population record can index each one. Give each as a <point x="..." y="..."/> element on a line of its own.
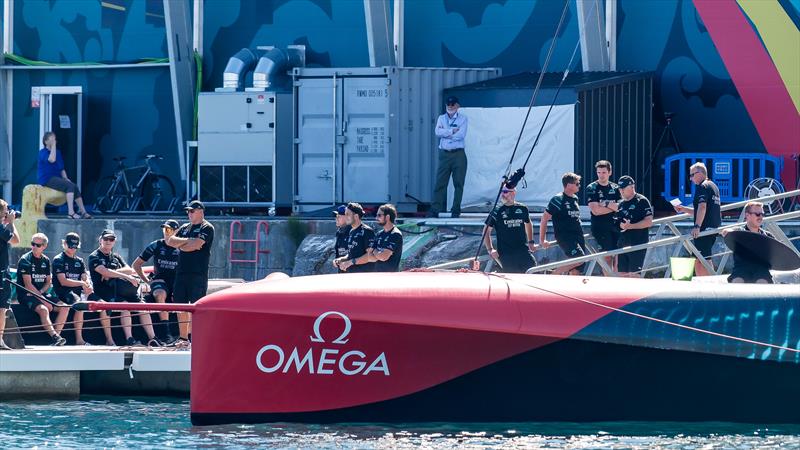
<point x="490" y="141"/>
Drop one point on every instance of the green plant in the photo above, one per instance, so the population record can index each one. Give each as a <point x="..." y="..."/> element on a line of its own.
<point x="298" y="230"/>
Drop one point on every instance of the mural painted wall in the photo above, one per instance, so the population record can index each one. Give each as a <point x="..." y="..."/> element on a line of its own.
<point x="130" y="111"/>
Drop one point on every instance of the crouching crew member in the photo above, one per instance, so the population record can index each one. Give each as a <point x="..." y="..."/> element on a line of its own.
<point x="162" y="280"/>
<point x="34" y="270"/>
<point x="8" y="237"/>
<point x="194" y="240"/>
<point x="512" y="223"/>
<point x="566" y="214"/>
<point x="342" y="232"/>
<point x="114" y="280"/>
<point x="747" y="268"/>
<point x="71" y="281"/>
<point x="358" y="241"/>
<point x="386" y="249"/>
<point x="603" y="197"/>
<point x="635" y="217"/>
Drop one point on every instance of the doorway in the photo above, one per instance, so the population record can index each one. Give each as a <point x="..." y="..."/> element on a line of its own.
<point x="61" y="111"/>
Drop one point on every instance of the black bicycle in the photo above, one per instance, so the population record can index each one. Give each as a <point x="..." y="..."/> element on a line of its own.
<point x="152" y="192"/>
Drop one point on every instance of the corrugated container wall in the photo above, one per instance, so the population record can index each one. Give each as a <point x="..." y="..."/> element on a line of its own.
<point x="367" y="134"/>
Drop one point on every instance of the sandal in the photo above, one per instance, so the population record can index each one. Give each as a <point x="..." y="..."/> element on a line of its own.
<point x="86" y="215"/>
<point x="74" y="216"/>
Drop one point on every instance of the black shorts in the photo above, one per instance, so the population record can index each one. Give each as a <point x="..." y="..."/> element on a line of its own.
<point x="607" y="240"/>
<point x="5" y="292"/>
<point x="750" y="273"/>
<point x="70" y="296"/>
<point x="631" y="262"/>
<point x="31" y="301"/>
<point x="517" y="261"/>
<point x="164" y="285"/>
<point x="573" y="247"/>
<point x="189" y="287"/>
<point x="705" y="244"/>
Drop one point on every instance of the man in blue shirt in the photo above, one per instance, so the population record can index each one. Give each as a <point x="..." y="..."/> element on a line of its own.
<point x="451" y="129"/>
<point x="51" y="173"/>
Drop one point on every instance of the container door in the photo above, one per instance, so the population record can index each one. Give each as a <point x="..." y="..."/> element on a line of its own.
<point x="318" y="127"/>
<point x="366" y="130"/>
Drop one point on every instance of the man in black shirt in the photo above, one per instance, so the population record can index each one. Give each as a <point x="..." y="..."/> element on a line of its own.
<point x="114" y="280"/>
<point x="635" y="217"/>
<point x="8" y="237"/>
<point x="342" y="232"/>
<point x="358" y="241"/>
<point x="194" y="240"/>
<point x="386" y="249"/>
<point x="563" y="208"/>
<point x="33" y="269"/>
<point x="162" y="279"/>
<point x="602" y="197"/>
<point x="707" y="213"/>
<point x="746" y="267"/>
<point x="71" y="280"/>
<point x="512" y="223"/>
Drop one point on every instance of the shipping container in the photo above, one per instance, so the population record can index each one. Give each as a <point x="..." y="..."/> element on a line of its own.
<point x="367" y="134"/>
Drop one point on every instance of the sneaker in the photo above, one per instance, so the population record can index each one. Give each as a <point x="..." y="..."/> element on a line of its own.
<point x="58" y="341"/>
<point x="180" y="342"/>
<point x="155" y="343"/>
<point x="3" y="345"/>
<point x="132" y="342"/>
<point x="169" y="339"/>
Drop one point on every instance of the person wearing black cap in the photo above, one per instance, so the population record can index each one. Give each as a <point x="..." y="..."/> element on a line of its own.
<point x="602" y="197"/>
<point x="33" y="268"/>
<point x="115" y="281"/>
<point x="162" y="280"/>
<point x="194" y="240"/>
<point x="342" y="231"/>
<point x="635" y="217"/>
<point x="706" y="211"/>
<point x="358" y="241"/>
<point x="8" y="237"/>
<point x="451" y="129"/>
<point x="71" y="284"/>
<point x="512" y="224"/>
<point x="564" y="210"/>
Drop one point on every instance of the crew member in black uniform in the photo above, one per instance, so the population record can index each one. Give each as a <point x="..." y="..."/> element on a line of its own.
<point x="511" y="222"/>
<point x="566" y="214"/>
<point x="707" y="213"/>
<point x="342" y="232"/>
<point x="194" y="240"/>
<point x="8" y="237"/>
<point x="358" y="241"/>
<point x="71" y="281"/>
<point x="386" y="248"/>
<point x="114" y="280"/>
<point x="162" y="280"/>
<point x="746" y="267"/>
<point x="33" y="269"/>
<point x="635" y="217"/>
<point x="603" y="197"/>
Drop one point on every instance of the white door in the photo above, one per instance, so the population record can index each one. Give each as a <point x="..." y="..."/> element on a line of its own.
<point x="318" y="154"/>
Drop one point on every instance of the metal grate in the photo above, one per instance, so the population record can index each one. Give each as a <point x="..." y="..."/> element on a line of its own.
<point x="260" y="183"/>
<point x="211" y="183"/>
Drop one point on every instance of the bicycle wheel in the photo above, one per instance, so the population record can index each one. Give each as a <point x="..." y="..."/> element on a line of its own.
<point x="157" y="193"/>
<point x="108" y="195"/>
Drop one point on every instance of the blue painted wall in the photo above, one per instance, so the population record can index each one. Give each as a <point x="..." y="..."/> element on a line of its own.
<point x="129" y="112"/>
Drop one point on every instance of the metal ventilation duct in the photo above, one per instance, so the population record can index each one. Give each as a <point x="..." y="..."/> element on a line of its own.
<point x="238" y="66"/>
<point x="275" y="63"/>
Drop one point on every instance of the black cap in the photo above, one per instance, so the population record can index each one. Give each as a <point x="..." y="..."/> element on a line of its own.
<point x="451" y="100"/>
<point x="340" y="210"/>
<point x="194" y="204"/>
<point x="108" y="233"/>
<point x="171" y="223"/>
<point x="625" y="181"/>
<point x="72" y="240"/>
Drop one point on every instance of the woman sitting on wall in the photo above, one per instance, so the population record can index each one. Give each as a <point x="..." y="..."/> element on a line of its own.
<point x="51" y="173"/>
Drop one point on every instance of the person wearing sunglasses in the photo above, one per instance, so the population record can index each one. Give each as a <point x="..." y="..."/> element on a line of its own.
<point x="342" y="233"/>
<point x="33" y="269"/>
<point x="386" y="250"/>
<point x="114" y="280"/>
<point x="451" y="129"/>
<point x="8" y="236"/>
<point x="511" y="222"/>
<point x="635" y="217"/>
<point x="563" y="209"/>
<point x="746" y="268"/>
<point x="358" y="242"/>
<point x="71" y="284"/>
<point x="706" y="213"/>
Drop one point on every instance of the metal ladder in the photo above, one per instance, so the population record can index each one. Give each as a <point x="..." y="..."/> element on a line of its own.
<point x="236" y="227"/>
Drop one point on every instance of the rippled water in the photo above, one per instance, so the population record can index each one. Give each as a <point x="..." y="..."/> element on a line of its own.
<point x="162" y="423"/>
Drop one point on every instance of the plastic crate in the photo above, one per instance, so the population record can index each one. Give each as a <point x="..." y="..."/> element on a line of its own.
<point x="731" y="172"/>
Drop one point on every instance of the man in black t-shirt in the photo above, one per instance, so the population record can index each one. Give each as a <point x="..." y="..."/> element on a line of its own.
<point x="635" y="217"/>
<point x="386" y="249"/>
<point x="194" y="240"/>
<point x="162" y="279"/>
<point x="748" y="268"/>
<point x="8" y="237"/>
<point x="33" y="269"/>
<point x="511" y="223"/>
<point x="564" y="210"/>
<point x="342" y="232"/>
<point x="71" y="281"/>
<point x="602" y="197"/>
<point x="115" y="281"/>
<point x="358" y="241"/>
<point x="706" y="213"/>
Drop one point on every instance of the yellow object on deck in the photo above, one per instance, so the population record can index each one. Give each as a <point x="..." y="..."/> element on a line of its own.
<point x="682" y="268"/>
<point x="34" y="199"/>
